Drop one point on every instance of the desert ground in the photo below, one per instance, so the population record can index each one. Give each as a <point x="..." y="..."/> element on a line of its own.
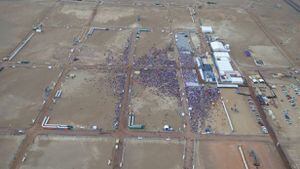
<point x="87" y="83"/>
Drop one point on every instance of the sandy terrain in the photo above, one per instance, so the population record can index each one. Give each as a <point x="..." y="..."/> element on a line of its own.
<point x="270" y="55"/>
<point x="22" y="94"/>
<point x="86" y="100"/>
<point x="153" y="110"/>
<point x="181" y="19"/>
<point x="8" y="146"/>
<point x="157" y="154"/>
<point x="238" y="29"/>
<point x="283" y="22"/>
<point x="103" y="44"/>
<point x="209" y="156"/>
<point x="69" y="15"/>
<point x="217" y="119"/>
<point x="249" y="125"/>
<point x="147" y="40"/>
<point x="287" y="133"/>
<point x="51" y="46"/>
<point x="84" y="153"/>
<point x="15" y="25"/>
<point x="109" y="17"/>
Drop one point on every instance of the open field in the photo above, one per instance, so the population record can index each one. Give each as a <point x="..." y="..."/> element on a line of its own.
<point x="217" y="119"/>
<point x="107" y="16"/>
<point x="154" y="108"/>
<point x="243" y="113"/>
<point x="9" y="146"/>
<point x="286" y="130"/>
<point x="17" y="20"/>
<point x="104" y="47"/>
<point x="127" y="17"/>
<point x="54" y="50"/>
<point x="181" y="19"/>
<point x="283" y="21"/>
<point x="149" y="154"/>
<point x="209" y="156"/>
<point x="88" y="99"/>
<point x="241" y="32"/>
<point x="292" y="148"/>
<point x="85" y="153"/>
<point x="22" y="92"/>
<point x="156" y="82"/>
<point x="68" y="15"/>
<point x="153" y="39"/>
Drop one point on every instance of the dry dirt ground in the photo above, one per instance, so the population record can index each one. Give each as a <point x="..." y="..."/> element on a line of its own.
<point x="22" y="92"/>
<point x="88" y="99"/>
<point x="181" y="19"/>
<point x="147" y="40"/>
<point x="217" y="119"/>
<point x="225" y="155"/>
<point x="237" y="28"/>
<point x="69" y="15"/>
<point x="243" y="113"/>
<point x="69" y="153"/>
<point x="127" y="17"/>
<point x="51" y="46"/>
<point x="8" y="146"/>
<point x="283" y="22"/>
<point x="102" y="45"/>
<point x="288" y="133"/>
<point x="107" y="16"/>
<point x="150" y="153"/>
<point x="15" y="25"/>
<point x="154" y="110"/>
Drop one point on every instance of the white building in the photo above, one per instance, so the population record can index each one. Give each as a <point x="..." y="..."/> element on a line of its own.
<point x="206" y="29"/>
<point x="217" y="46"/>
<point x="226" y="72"/>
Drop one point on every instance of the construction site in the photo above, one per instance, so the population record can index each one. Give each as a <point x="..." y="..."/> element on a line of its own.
<point x="156" y="84"/>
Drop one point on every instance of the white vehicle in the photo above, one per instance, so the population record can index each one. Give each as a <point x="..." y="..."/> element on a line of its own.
<point x="261" y="80"/>
<point x="264" y="130"/>
<point x="254" y="81"/>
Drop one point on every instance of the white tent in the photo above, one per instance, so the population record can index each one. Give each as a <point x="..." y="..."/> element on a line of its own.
<point x="221" y="54"/>
<point x="206" y="29"/>
<point x="217" y="46"/>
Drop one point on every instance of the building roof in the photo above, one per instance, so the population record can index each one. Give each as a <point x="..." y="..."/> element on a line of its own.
<point x="206" y="29"/>
<point x="217" y="46"/>
<point x="221" y="54"/>
<point x="224" y="65"/>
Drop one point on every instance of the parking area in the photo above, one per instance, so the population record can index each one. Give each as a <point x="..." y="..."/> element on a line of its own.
<point x="238" y="108"/>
